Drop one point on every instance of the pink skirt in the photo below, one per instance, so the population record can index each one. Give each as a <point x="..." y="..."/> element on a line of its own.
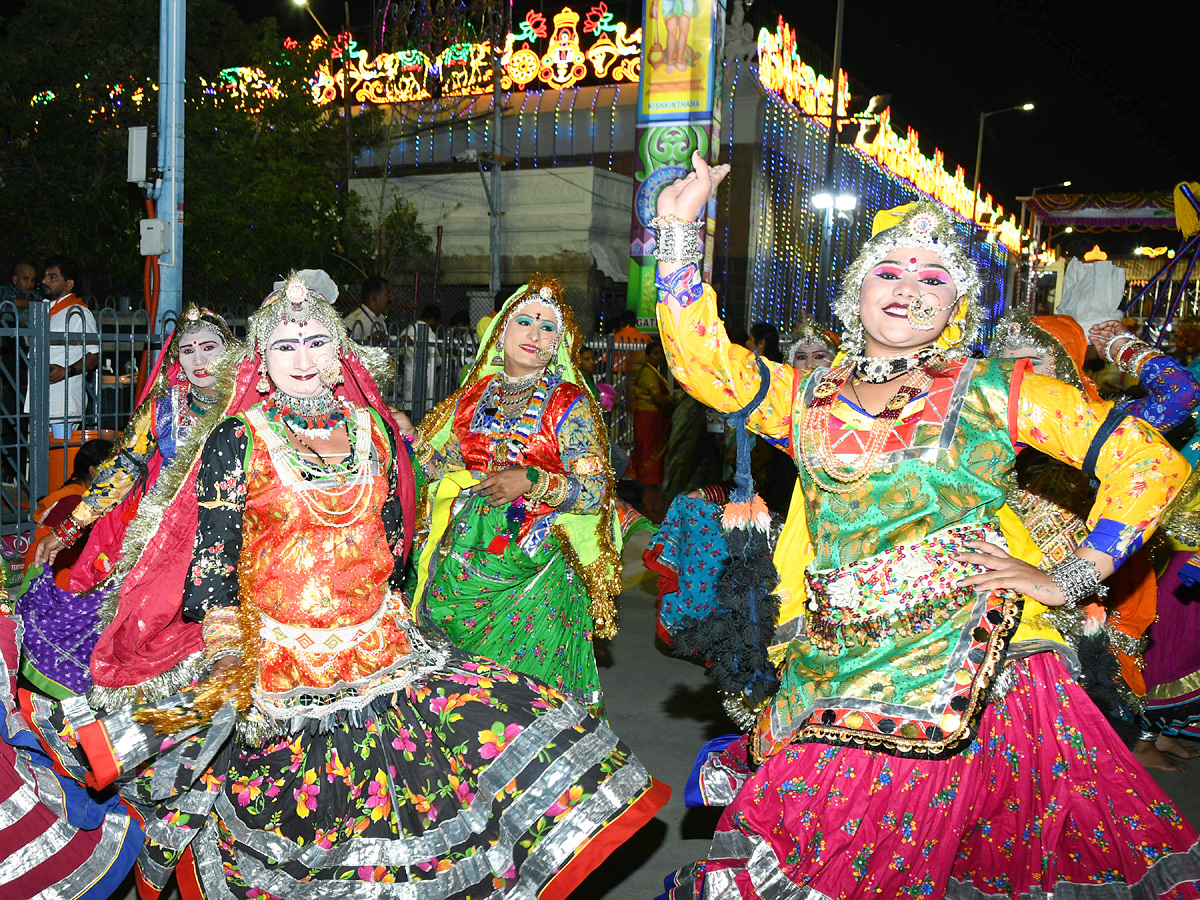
<point x="1046" y="798"/>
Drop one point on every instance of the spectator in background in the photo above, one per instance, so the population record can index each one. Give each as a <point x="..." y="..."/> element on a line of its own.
<point x="431" y="317"/>
<point x="24" y="286"/>
<point x="23" y="289"/>
<point x="71" y="355"/>
<point x="481" y="326"/>
<point x="56" y="506"/>
<point x="368" y="323"/>
<point x="587" y="371"/>
<point x="652" y="406"/>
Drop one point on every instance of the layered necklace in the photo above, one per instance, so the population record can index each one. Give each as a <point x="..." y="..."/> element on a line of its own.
<point x="814" y="428"/>
<point x="522" y="399"/>
<point x="310" y="417"/>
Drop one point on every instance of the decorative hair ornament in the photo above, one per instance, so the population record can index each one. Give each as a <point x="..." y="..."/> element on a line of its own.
<point x="921" y="226"/>
<point x="1017" y="335"/>
<point x="295" y="300"/>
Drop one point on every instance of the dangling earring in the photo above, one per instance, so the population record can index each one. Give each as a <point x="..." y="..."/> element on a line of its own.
<point x="922" y="313"/>
<point x="264" y="383"/>
<point x="498" y="359"/>
<point x="331" y="375"/>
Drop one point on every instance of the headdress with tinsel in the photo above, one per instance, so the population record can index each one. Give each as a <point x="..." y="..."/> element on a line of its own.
<point x="592" y="541"/>
<point x="167" y="370"/>
<point x="926" y="226"/>
<point x="1018" y="334"/>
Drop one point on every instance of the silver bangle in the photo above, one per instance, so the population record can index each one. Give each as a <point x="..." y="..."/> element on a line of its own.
<point x="1124" y="335"/>
<point x="1078" y="579"/>
<point x="677" y="241"/>
<point x="1135" y="364"/>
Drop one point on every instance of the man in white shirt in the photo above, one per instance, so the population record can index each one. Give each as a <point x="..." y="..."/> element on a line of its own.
<point x="368" y="323"/>
<point x="71" y="355"/>
<point x="432" y="317"/>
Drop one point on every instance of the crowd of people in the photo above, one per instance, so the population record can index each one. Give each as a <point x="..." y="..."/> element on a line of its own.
<point x="279" y="640"/>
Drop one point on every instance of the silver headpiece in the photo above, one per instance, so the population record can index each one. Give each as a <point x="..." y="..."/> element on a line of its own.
<point x="926" y="226"/>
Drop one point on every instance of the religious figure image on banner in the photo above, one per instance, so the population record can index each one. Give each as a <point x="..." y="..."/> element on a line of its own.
<point x="677" y="75"/>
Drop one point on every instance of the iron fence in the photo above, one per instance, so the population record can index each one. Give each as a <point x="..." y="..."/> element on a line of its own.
<point x="39" y="439"/>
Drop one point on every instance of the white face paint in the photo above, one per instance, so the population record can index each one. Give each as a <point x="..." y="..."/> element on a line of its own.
<point x="909" y="275"/>
<point x="295" y="356"/>
<point x="199" y="351"/>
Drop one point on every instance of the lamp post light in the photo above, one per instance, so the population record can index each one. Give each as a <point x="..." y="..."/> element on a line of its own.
<point x="345" y="86"/>
<point x="983" y="117"/>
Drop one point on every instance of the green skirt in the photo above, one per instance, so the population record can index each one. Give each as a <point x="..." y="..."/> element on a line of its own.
<point x="529" y="613"/>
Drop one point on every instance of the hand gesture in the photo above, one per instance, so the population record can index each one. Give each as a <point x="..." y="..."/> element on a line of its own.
<point x="403" y="422"/>
<point x="1100" y="334"/>
<point x="47" y="549"/>
<point x="687" y="197"/>
<point x="1006" y="572"/>
<point x="505" y="486"/>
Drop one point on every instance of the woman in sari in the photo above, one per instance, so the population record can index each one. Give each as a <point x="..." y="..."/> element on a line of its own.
<point x="522" y="558"/>
<point x="329" y="748"/>
<point x="63" y="624"/>
<point x="927" y="738"/>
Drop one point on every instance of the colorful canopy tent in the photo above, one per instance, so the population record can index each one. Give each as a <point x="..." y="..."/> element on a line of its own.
<point x="1105" y="212"/>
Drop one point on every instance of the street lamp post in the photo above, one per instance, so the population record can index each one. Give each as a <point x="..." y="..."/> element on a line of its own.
<point x="345" y="86"/>
<point x="826" y="201"/>
<point x="983" y="117"/>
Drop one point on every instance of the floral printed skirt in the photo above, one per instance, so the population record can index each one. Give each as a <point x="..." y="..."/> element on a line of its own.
<point x="475" y="782"/>
<point x="1045" y="800"/>
<point x="528" y="612"/>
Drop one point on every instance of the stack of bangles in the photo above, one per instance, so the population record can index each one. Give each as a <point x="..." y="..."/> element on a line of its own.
<point x="546" y="487"/>
<point x="422" y="449"/>
<point x="678" y="240"/>
<point x="68" y="531"/>
<point x="1132" y="355"/>
<point x="221" y="633"/>
<point x="1078" y="579"/>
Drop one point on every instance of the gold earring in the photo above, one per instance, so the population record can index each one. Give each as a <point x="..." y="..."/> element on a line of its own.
<point x="264" y="384"/>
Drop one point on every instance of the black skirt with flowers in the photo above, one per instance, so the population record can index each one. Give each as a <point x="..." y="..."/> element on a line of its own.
<point x="473" y="782"/>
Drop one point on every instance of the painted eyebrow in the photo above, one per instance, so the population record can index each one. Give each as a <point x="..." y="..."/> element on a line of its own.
<point x="931" y="265"/>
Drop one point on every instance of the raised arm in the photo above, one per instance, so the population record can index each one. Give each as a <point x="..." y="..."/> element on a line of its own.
<point x="710" y="368"/>
<point x="118" y="474"/>
<point x="1172" y="392"/>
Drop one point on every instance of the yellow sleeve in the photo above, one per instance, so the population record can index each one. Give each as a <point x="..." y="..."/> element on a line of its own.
<point x="120" y="472"/>
<point x="723" y="375"/>
<point x="1139" y="472"/>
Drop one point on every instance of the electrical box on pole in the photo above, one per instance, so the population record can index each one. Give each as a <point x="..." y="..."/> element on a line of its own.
<point x="142" y="158"/>
<point x="156" y="237"/>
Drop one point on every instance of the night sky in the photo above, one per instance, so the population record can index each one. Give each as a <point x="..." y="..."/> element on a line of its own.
<point x="1115" y="94"/>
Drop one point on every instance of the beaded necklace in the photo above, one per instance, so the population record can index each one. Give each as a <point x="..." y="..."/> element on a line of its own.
<point x="312" y="417"/>
<point x="512" y="426"/>
<point x="878" y="369"/>
<point x="815" y="428"/>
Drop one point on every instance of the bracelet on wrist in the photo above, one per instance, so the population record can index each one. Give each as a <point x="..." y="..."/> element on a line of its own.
<point x="540" y="483"/>
<point x="1135" y="365"/>
<point x="1078" y="579"/>
<point x="677" y="241"/>
<point x="1123" y="336"/>
<point x="68" y="531"/>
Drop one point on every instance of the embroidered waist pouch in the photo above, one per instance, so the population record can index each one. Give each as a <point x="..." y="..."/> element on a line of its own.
<point x="896" y="656"/>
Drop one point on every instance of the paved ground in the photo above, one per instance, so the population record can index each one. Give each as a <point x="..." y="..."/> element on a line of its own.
<point x="665" y="709"/>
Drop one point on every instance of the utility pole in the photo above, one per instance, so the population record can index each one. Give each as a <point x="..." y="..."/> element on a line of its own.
<point x="824" y="300"/>
<point x="494" y="200"/>
<point x="168" y="195"/>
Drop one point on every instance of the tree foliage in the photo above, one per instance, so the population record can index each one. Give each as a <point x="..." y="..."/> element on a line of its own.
<point x="264" y="171"/>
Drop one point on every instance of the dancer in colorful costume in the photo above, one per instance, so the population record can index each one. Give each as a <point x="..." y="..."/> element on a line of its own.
<point x="62" y="625"/>
<point x="330" y="748"/>
<point x="57" y="842"/>
<point x="523" y="557"/>
<point x="925" y="740"/>
<point x="1052" y="500"/>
